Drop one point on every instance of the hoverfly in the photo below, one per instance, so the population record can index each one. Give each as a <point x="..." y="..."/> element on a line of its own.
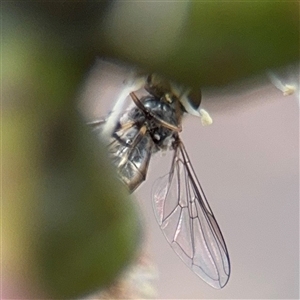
<point x="153" y="124"/>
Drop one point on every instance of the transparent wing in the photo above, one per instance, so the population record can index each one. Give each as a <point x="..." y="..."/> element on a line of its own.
<point x="130" y="148"/>
<point x="188" y="223"/>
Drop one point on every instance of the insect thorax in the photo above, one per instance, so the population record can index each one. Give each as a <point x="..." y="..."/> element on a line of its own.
<point x="140" y="132"/>
<point x="158" y="109"/>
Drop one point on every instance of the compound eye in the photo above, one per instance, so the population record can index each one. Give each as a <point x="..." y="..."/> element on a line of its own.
<point x="195" y="98"/>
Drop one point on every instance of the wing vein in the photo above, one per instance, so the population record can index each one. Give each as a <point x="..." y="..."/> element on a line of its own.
<point x="189" y="225"/>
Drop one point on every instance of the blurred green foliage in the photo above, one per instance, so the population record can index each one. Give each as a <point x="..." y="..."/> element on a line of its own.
<point x="219" y="41"/>
<point x="68" y="227"/>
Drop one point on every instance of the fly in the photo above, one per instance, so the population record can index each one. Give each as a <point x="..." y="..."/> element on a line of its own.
<point x="151" y="125"/>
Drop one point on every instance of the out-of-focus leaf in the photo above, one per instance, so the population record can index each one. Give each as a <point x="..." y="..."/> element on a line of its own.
<point x="218" y="42"/>
<point x="88" y="225"/>
<point x="69" y="225"/>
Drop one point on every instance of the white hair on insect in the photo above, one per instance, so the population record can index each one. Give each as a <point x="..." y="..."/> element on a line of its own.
<point x="131" y="84"/>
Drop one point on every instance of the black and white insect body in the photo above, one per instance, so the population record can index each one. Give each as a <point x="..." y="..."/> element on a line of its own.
<point x="153" y="124"/>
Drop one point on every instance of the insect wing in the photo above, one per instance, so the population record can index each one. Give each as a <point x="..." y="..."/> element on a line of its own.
<point x="131" y="150"/>
<point x="188" y="223"/>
